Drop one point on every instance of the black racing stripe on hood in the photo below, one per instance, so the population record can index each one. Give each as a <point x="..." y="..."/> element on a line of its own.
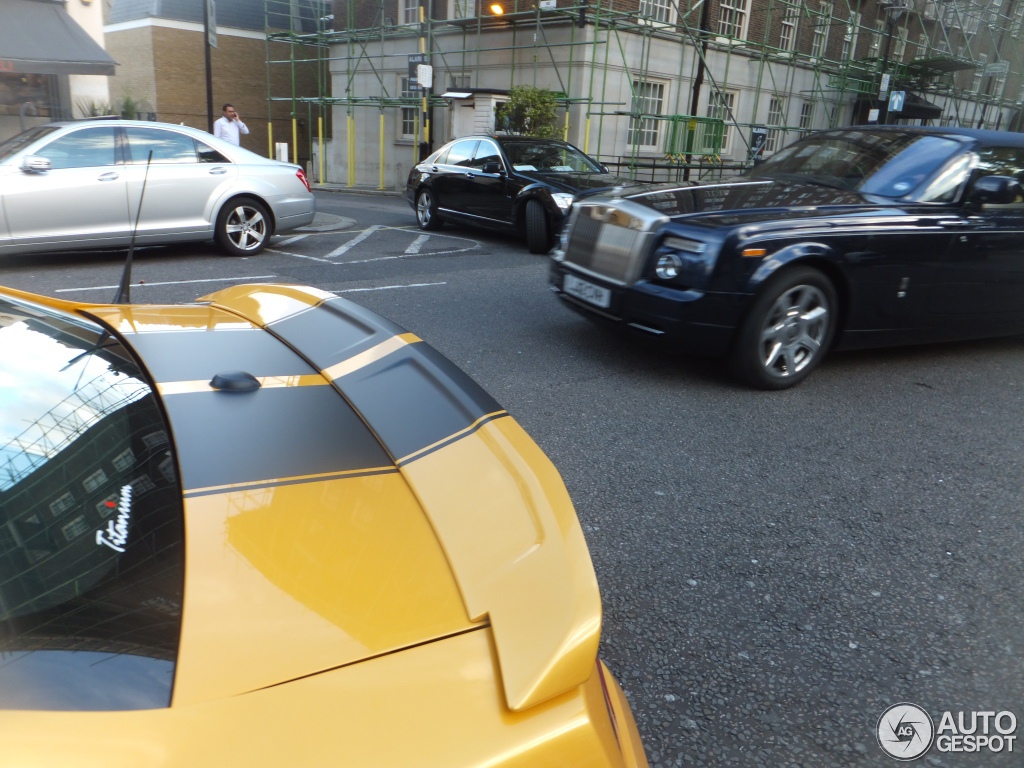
<point x="197" y="355"/>
<point x="226" y="438"/>
<point x="334" y="331"/>
<point x="415" y="397"/>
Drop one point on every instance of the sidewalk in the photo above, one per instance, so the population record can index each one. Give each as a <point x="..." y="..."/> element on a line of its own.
<point x="327" y="222"/>
<point x="359" y="189"/>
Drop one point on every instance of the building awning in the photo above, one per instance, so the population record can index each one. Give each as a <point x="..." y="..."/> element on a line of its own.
<point x="39" y="37"/>
<point x="916" y="108"/>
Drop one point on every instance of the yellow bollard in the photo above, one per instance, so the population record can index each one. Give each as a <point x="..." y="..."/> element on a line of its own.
<point x="270" y="140"/>
<point x="295" y="141"/>
<point x="320" y="138"/>
<point x="380" y="184"/>
<point x="351" y="151"/>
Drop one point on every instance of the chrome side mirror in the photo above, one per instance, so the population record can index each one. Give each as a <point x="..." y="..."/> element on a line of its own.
<point x="35" y="164"/>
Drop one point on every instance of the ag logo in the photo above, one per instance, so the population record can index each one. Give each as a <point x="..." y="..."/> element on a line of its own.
<point x="905" y="731"/>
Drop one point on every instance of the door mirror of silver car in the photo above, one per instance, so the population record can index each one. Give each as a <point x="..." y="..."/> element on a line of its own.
<point x="35" y="164"/>
<point x="995" y="190"/>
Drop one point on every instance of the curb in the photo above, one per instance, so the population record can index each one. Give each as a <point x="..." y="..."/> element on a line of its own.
<point x="327" y="222"/>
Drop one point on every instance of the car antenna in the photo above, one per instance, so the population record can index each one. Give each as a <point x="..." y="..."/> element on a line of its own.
<point x="124" y="290"/>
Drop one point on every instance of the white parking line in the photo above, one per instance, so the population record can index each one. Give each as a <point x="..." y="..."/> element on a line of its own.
<point x="291" y="240"/>
<point x="417" y="244"/>
<point x="388" y="287"/>
<point x="299" y="255"/>
<point x="172" y="282"/>
<point x="353" y="242"/>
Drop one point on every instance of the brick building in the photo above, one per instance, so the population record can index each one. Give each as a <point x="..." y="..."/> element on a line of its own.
<point x="647" y="84"/>
<point x="160" y="47"/>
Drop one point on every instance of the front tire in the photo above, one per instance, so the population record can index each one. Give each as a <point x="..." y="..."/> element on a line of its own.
<point x="538" y="234"/>
<point x="243" y="227"/>
<point x="788" y="330"/>
<point x="426" y="211"/>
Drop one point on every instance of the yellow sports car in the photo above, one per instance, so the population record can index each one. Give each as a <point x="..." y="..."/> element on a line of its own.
<point x="273" y="528"/>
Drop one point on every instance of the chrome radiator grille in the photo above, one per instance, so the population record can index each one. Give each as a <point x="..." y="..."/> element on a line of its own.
<point x="609" y="238"/>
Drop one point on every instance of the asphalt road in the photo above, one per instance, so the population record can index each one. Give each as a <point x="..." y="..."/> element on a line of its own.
<point x="777" y="568"/>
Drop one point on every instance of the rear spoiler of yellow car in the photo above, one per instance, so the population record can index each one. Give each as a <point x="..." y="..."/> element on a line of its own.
<point x="497" y="505"/>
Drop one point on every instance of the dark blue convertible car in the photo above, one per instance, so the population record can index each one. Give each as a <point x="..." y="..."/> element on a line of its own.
<point x="849" y="238"/>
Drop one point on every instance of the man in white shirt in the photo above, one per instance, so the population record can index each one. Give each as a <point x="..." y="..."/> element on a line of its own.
<point x="230" y="126"/>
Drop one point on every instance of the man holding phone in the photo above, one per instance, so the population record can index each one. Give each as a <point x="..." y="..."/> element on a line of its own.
<point x="230" y="126"/>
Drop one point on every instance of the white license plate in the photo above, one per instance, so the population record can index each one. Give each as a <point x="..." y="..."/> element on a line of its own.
<point x="590" y="293"/>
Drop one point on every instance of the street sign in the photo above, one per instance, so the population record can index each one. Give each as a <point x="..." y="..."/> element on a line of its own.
<point x="415" y="60"/>
<point x="211" y="21"/>
<point x="997" y="68"/>
<point x="883" y="87"/>
<point x="896" y="99"/>
<point x="872" y="115"/>
<point x="758" y="137"/>
<point x="425" y="75"/>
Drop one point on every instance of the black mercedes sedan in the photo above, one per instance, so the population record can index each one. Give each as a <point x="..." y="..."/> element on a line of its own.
<point x="850" y="238"/>
<point x="509" y="183"/>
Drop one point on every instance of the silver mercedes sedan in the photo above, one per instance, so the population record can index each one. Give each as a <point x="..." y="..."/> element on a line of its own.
<point x="99" y="183"/>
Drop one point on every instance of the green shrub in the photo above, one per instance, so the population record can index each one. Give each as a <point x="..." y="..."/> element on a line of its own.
<point x="529" y="111"/>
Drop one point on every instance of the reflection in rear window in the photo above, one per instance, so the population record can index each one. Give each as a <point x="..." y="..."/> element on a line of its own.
<point x="91" y="532"/>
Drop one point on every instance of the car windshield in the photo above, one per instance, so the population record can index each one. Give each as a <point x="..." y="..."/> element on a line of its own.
<point x="873" y="163"/>
<point x="548" y="158"/>
<point x="91" y="521"/>
<point x="15" y="144"/>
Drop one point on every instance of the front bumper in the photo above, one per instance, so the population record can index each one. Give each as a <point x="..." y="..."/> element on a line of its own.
<point x="689" y="321"/>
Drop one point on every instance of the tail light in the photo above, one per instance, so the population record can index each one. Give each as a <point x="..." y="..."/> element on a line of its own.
<point x="303" y="179"/>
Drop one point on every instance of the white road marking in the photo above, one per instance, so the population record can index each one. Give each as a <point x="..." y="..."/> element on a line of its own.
<point x="353" y="242"/>
<point x="299" y="255"/>
<point x="417" y="244"/>
<point x="291" y="240"/>
<point x="173" y="282"/>
<point x="388" y="287"/>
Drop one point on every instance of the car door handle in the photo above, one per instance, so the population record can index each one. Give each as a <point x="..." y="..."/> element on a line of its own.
<point x="109" y="176"/>
<point x="218" y="171"/>
<point x="954" y="223"/>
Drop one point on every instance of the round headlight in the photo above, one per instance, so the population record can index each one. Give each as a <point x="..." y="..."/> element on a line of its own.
<point x="668" y="266"/>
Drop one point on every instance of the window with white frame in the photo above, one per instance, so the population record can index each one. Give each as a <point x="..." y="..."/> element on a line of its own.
<point x="1018" y="19"/>
<point x="659" y="11"/>
<point x="994" y="11"/>
<point x="648" y="99"/>
<point x="922" y="46"/>
<point x="979" y="72"/>
<point x="732" y="19"/>
<point x="999" y="85"/>
<point x="899" y="45"/>
<point x="461" y="9"/>
<point x="790" y="20"/>
<point x="410" y="119"/>
<point x="722" y="105"/>
<point x="850" y="38"/>
<point x="833" y="116"/>
<point x="806" y="117"/>
<point x="410" y="11"/>
<point x="776" y="119"/>
<point x="875" y="49"/>
<point x="820" y="42"/>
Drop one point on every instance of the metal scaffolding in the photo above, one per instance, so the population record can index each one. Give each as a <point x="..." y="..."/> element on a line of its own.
<point x="960" y="60"/>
